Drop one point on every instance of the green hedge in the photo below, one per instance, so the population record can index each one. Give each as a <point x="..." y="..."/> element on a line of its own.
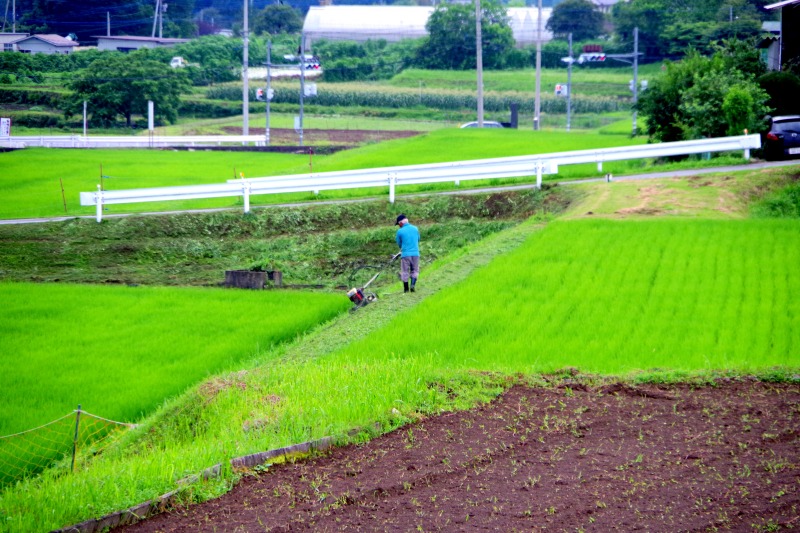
<point x="31" y="96"/>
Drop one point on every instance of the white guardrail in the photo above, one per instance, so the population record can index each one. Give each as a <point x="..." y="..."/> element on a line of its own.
<point x="504" y="167"/>
<point x="127" y="141"/>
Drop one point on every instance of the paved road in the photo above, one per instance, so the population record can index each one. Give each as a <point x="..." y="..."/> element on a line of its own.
<point x="653" y="175"/>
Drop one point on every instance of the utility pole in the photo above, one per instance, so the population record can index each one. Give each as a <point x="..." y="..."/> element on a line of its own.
<point x="635" y="75"/>
<point x="302" y="83"/>
<point x="479" y="60"/>
<point x="266" y="96"/>
<point x="569" y="83"/>
<point x="108" y="23"/>
<point x="162" y="8"/>
<point x="537" y="103"/>
<point x="155" y="18"/>
<point x="245" y="74"/>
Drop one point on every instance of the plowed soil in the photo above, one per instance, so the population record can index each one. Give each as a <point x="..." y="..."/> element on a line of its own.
<point x="566" y="458"/>
<point x="286" y="136"/>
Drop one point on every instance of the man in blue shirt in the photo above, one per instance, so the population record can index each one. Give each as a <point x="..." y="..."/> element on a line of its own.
<point x="408" y="240"/>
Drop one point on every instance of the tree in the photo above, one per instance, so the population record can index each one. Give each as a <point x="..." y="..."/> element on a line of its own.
<point x="578" y="17"/>
<point x="278" y="18"/>
<point x="120" y="84"/>
<point x="702" y="97"/>
<point x="722" y="102"/>
<point x="451" y="41"/>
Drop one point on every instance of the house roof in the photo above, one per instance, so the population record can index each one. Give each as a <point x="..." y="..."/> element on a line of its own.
<point x="55" y="40"/>
<point x="157" y="40"/>
<point x="781" y="4"/>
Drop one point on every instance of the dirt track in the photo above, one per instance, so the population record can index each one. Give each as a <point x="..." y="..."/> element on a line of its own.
<point x="285" y="136"/>
<point x="567" y="458"/>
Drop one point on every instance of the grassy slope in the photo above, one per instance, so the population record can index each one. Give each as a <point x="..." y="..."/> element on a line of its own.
<point x="586" y="80"/>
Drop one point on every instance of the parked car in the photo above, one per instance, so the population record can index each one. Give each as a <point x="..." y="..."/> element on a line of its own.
<point x="486" y="124"/>
<point x="783" y="138"/>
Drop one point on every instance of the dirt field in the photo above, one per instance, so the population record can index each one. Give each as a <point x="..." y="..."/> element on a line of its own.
<point x="286" y="136"/>
<point x="566" y="458"/>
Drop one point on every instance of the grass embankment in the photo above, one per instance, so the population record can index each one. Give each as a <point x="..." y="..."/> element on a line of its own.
<point x="317" y="245"/>
<point x="627" y="278"/>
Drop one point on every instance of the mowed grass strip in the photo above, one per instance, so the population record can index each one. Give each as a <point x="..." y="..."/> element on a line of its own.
<point x="121" y="351"/>
<point x="614" y="297"/>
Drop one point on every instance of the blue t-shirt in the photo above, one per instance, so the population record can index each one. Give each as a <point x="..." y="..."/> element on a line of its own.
<point x="408" y="240"/>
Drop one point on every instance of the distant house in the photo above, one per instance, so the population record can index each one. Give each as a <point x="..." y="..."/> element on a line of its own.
<point x="6" y="39"/>
<point x="394" y="23"/>
<point x="43" y="44"/>
<point x="129" y="43"/>
<point x="789" y="51"/>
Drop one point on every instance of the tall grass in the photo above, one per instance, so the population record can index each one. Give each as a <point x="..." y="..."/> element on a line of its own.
<point x="615" y="297"/>
<point x="120" y="351"/>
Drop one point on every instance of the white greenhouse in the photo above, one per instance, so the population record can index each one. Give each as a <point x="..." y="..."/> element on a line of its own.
<point x="394" y="23"/>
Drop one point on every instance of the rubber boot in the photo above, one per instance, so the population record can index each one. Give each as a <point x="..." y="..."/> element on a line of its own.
<point x="413" y="284"/>
<point x="405" y="286"/>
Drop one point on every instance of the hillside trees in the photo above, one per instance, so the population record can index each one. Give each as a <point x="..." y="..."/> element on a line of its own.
<point x="122" y="84"/>
<point x="578" y="17"/>
<point x="278" y="18"/>
<point x="85" y="19"/>
<point x="671" y="27"/>
<point x="451" y="41"/>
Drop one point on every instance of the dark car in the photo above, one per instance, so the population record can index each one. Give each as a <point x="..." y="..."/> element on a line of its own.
<point x="783" y="138"/>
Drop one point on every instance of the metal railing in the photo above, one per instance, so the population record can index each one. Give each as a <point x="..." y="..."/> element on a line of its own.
<point x="505" y="167"/>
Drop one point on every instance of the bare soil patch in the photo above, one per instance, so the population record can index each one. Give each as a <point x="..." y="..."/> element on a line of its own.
<point x="287" y="136"/>
<point x="566" y="458"/>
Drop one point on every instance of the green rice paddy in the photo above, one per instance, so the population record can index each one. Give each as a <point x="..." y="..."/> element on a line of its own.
<point x="614" y="297"/>
<point x="121" y="351"/>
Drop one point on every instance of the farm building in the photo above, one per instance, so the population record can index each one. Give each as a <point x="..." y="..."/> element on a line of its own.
<point x="129" y="43"/>
<point x="394" y="23"/>
<point x="7" y="38"/>
<point x="42" y="44"/>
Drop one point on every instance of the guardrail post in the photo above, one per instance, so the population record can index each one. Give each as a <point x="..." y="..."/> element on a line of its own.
<point x="539" y="174"/>
<point x="392" y="184"/>
<point x="246" y="194"/>
<point x="99" y="202"/>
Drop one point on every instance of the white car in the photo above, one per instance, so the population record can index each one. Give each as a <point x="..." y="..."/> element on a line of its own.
<point x="486" y="124"/>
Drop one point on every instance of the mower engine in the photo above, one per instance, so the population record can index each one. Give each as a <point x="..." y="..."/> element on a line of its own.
<point x="357" y="297"/>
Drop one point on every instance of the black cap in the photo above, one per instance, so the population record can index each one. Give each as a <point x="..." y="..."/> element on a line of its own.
<point x="399" y="218"/>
